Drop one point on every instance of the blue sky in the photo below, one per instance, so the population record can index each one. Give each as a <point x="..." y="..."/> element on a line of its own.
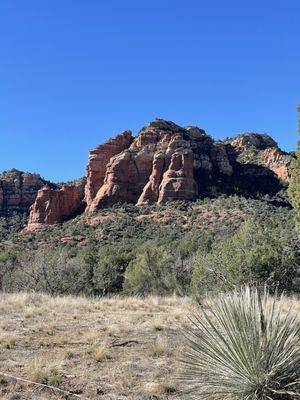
<point x="74" y="73"/>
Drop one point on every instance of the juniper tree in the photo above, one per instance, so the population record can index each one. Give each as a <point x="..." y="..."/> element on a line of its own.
<point x="294" y="186"/>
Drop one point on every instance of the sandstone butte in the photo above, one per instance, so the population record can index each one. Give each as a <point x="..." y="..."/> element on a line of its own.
<point x="164" y="162"/>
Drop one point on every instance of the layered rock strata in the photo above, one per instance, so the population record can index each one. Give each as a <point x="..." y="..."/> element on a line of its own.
<point x="98" y="160"/>
<point x="165" y="162"/>
<point x="53" y="206"/>
<point x="160" y="166"/>
<point x="19" y="189"/>
<point x="278" y="162"/>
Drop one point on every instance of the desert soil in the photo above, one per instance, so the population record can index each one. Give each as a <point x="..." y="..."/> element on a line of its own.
<point x="112" y="349"/>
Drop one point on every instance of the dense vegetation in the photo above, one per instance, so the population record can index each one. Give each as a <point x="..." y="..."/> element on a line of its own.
<point x="206" y="246"/>
<point x="11" y="223"/>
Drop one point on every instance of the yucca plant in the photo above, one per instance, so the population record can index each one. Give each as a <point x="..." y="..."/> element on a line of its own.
<point x="243" y="346"/>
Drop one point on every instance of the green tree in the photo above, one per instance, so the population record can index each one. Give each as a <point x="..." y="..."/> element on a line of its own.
<point x="109" y="270"/>
<point x="89" y="259"/>
<point x="259" y="252"/>
<point x="151" y="272"/>
<point x="294" y="186"/>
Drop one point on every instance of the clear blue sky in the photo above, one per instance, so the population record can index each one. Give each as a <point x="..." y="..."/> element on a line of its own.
<point x="75" y="72"/>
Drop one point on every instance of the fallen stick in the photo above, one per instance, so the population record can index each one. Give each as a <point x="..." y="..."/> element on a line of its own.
<point x="16" y="378"/>
<point x="123" y="343"/>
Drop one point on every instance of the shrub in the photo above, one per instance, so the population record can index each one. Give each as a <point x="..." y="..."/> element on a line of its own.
<point x="243" y="347"/>
<point x="259" y="252"/>
<point x="151" y="272"/>
<point x="110" y="268"/>
<point x="50" y="271"/>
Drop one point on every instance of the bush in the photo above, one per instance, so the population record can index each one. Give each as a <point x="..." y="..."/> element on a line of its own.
<point x="49" y="271"/>
<point x="243" y="347"/>
<point x="261" y="251"/>
<point x="151" y="272"/>
<point x="108" y="274"/>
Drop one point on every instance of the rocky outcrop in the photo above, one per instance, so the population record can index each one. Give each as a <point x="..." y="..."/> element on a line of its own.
<point x="261" y="149"/>
<point x="19" y="189"/>
<point x="278" y="161"/>
<point x="98" y="160"/>
<point x="160" y="165"/>
<point x="248" y="141"/>
<point x="164" y="162"/>
<point x="178" y="181"/>
<point x="220" y="159"/>
<point x="52" y="205"/>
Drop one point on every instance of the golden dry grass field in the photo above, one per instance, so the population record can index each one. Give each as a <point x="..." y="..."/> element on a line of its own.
<point x="120" y="348"/>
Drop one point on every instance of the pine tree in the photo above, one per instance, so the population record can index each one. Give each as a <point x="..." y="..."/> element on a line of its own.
<point x="294" y="186"/>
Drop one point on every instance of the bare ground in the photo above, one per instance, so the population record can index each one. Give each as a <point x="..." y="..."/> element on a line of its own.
<point x="121" y="348"/>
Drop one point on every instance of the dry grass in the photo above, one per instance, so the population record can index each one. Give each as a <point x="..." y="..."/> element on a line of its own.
<point x="46" y="372"/>
<point x="121" y="348"/>
<point x="109" y="349"/>
<point x="158" y="347"/>
<point x="100" y="353"/>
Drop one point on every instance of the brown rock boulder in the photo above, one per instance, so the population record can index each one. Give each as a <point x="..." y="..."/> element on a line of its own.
<point x="172" y="176"/>
<point x="129" y="172"/>
<point x="151" y="190"/>
<point x="126" y="175"/>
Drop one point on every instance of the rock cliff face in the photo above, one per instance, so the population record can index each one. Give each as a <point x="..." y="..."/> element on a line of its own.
<point x="160" y="166"/>
<point x="164" y="162"/>
<point x="52" y="205"/>
<point x="19" y="189"/>
<point x="278" y="162"/>
<point x="262" y="150"/>
<point x="98" y="160"/>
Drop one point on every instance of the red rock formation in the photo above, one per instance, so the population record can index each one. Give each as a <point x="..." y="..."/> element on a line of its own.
<point x="98" y="160"/>
<point x="129" y="172"/>
<point x="159" y="166"/>
<point x="164" y="162"/>
<point x="53" y="205"/>
<point x="126" y="175"/>
<point x="178" y="181"/>
<point x="19" y="189"/>
<point x="151" y="190"/>
<point x="278" y="162"/>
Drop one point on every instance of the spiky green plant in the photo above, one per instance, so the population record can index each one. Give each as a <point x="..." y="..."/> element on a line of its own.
<point x="243" y="346"/>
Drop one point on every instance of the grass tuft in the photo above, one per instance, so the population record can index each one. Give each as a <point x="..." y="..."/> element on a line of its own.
<point x="100" y="353"/>
<point x="158" y="347"/>
<point x="48" y="374"/>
